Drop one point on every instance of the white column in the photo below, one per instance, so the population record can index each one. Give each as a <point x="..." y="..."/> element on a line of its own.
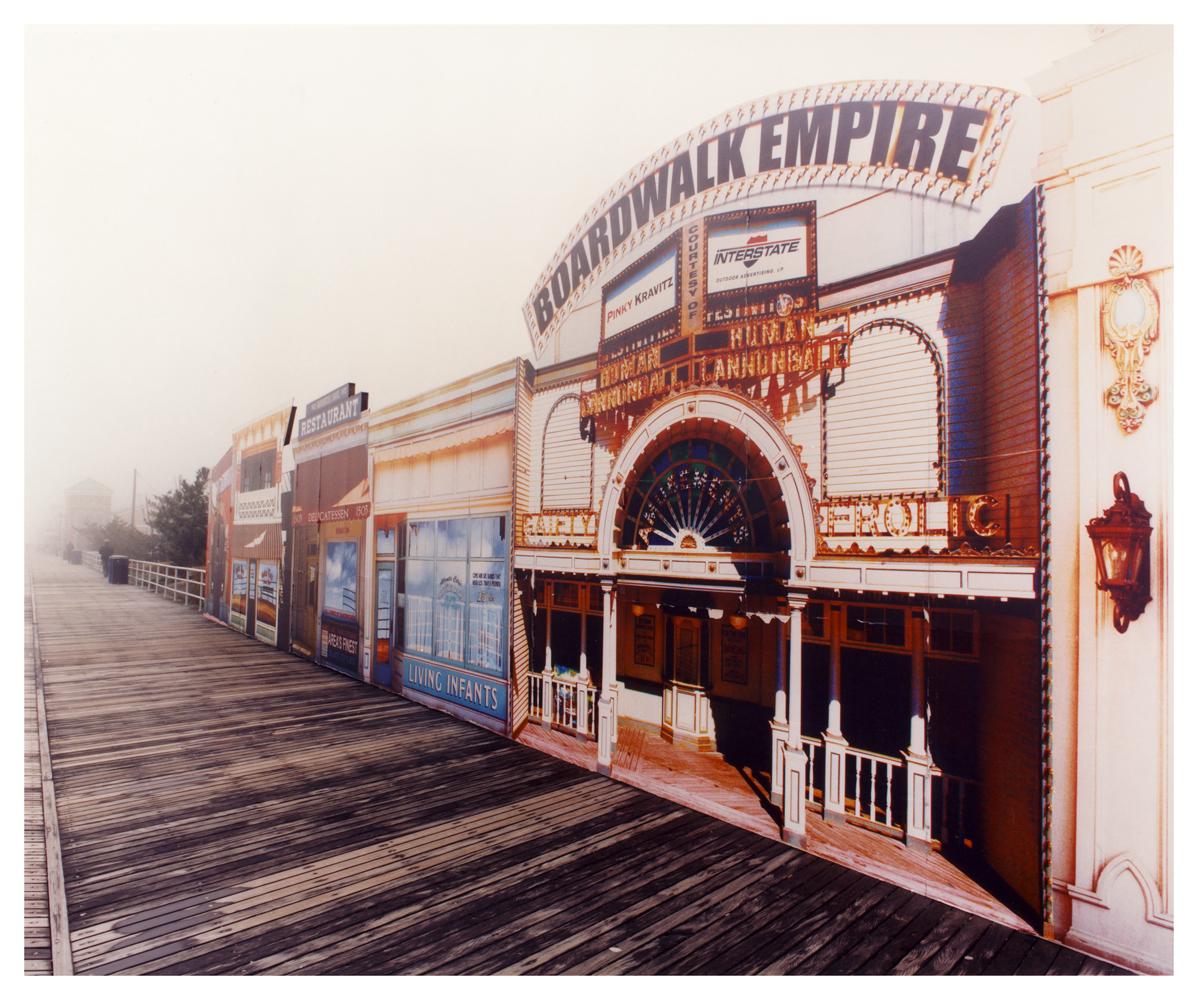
<point x="547" y="680"/>
<point x="778" y="725"/>
<point x="794" y="791"/>
<point x="916" y="757"/>
<point x="835" y="744"/>
<point x="607" y="687"/>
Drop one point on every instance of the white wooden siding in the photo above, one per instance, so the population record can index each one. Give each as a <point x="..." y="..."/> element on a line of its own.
<point x="565" y="459"/>
<point x="882" y="430"/>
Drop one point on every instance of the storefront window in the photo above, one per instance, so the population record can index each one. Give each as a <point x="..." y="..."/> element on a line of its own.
<point x="454" y="598"/>
<point x="874" y="625"/>
<point x="953" y="632"/>
<point x="449" y="615"/>
<point x="575" y="622"/>
<point x="566" y="642"/>
<point x="484" y="646"/>
<point x="420" y="591"/>
<point x="257" y="472"/>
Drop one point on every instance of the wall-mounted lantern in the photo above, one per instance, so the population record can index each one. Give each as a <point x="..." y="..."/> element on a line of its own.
<point x="1121" y="536"/>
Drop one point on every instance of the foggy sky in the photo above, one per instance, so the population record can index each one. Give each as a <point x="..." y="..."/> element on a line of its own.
<point x="219" y="221"/>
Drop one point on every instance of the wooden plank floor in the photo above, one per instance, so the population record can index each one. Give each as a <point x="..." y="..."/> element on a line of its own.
<point x="37" y="899"/>
<point x="706" y="782"/>
<point x="226" y="808"/>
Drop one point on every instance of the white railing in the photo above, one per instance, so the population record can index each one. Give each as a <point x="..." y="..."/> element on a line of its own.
<point x="811" y="745"/>
<point x="179" y="583"/>
<point x="958" y="801"/>
<point x="572" y="703"/>
<point x="93" y="560"/>
<point x="872" y="786"/>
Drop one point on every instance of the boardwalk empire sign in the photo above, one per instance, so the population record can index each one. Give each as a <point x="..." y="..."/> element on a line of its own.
<point x="934" y="139"/>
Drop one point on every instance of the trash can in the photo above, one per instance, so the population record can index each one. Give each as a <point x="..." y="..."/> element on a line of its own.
<point x="76" y="557"/>
<point x="118" y="569"/>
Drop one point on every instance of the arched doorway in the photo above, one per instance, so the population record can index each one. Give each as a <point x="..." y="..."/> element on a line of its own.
<point x="706" y="531"/>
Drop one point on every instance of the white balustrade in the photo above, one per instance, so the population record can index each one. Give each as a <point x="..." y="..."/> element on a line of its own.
<point x="180" y="583"/>
<point x="564" y="702"/>
<point x="93" y="560"/>
<point x="811" y="745"/>
<point x="958" y="799"/>
<point x="873" y="785"/>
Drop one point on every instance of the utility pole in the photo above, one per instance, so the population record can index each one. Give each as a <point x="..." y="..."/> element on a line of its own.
<point x="133" y="504"/>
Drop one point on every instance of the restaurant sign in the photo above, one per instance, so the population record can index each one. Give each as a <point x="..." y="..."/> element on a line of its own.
<point x="332" y="410"/>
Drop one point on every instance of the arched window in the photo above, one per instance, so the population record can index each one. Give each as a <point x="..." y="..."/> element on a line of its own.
<point x="697" y="494"/>
<point x="883" y="428"/>
<point x="566" y="471"/>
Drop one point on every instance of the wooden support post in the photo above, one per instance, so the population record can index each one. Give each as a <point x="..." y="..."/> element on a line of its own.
<point x="835" y="745"/>
<point x="607" y="687"/>
<point x="916" y="757"/>
<point x="794" y="792"/>
<point x="778" y="724"/>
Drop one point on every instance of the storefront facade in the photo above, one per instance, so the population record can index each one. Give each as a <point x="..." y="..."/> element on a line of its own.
<point x="441" y="467"/>
<point x="1106" y="171"/>
<point x="329" y="522"/>
<point x="783" y="498"/>
<point x="256" y="538"/>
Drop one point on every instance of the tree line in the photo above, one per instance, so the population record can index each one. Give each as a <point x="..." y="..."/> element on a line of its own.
<point x="178" y="523"/>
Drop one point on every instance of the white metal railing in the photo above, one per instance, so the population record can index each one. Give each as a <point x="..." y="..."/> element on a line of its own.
<point x="93" y="560"/>
<point x="572" y="702"/>
<point x="872" y="786"/>
<point x="958" y="799"/>
<point x="179" y="583"/>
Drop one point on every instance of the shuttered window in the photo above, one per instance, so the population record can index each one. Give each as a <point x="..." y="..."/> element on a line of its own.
<point x="882" y="425"/>
<point x="565" y="459"/>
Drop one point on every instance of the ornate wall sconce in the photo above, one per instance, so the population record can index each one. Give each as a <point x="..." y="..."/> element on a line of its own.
<point x="1129" y="328"/>
<point x="1120" y="538"/>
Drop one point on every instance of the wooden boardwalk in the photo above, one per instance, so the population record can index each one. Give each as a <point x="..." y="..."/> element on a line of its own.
<point x="226" y="808"/>
<point x="37" y="898"/>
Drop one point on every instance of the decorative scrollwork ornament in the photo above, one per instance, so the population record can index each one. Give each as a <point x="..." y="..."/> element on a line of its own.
<point x="1129" y="328"/>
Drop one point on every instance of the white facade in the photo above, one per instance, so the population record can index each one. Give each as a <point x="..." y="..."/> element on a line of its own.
<point x="1106" y="166"/>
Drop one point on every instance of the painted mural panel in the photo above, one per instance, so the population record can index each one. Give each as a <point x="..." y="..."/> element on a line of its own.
<point x="267" y="609"/>
<point x="452" y="616"/>
<point x="339" y="623"/>
<point x="239" y="605"/>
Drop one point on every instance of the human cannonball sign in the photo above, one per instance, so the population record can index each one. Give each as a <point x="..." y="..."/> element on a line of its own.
<point x="932" y="139"/>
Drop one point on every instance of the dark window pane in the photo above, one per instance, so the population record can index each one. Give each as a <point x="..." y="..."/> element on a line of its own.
<point x="594" y="629"/>
<point x="565" y="640"/>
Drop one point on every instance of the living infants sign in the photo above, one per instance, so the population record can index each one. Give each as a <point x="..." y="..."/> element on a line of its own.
<point x="937" y="139"/>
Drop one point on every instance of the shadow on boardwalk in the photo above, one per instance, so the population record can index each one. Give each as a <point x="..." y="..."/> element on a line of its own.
<point x="227" y="808"/>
